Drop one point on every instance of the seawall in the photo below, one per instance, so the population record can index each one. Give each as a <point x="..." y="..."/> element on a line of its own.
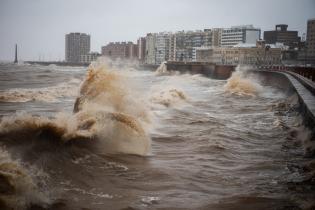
<point x="288" y="81"/>
<point x="291" y="82"/>
<point x="57" y="63"/>
<point x="207" y="69"/>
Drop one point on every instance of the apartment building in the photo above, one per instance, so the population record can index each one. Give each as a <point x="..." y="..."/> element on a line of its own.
<point x="120" y="50"/>
<point x="246" y="34"/>
<point x="282" y="35"/>
<point x="310" y="41"/>
<point x="249" y="54"/>
<point x="150" y="49"/>
<point x="76" y="44"/>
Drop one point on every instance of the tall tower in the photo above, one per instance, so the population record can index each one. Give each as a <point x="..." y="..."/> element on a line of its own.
<point x="77" y="44"/>
<point x="16" y="59"/>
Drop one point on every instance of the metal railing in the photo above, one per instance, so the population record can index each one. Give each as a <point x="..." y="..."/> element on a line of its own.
<point x="307" y="72"/>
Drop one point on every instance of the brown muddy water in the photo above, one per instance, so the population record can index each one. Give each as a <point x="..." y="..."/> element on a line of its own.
<point x="146" y="140"/>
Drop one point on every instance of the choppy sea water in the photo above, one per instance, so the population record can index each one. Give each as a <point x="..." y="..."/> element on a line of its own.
<point x="146" y="140"/>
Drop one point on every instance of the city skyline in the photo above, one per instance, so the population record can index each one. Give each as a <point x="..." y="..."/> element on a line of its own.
<point x="39" y="27"/>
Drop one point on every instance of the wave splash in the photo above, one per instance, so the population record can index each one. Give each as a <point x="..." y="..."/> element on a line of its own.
<point x="20" y="186"/>
<point x="242" y="85"/>
<point x="169" y="97"/>
<point x="106" y="112"/>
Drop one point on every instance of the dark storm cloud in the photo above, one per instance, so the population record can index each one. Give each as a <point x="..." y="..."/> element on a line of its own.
<point x="39" y="26"/>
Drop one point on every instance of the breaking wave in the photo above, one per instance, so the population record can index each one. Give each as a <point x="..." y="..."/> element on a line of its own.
<point x="20" y="187"/>
<point x="162" y="70"/>
<point x="240" y="84"/>
<point x="169" y="97"/>
<point x="105" y="112"/>
<point x="108" y="119"/>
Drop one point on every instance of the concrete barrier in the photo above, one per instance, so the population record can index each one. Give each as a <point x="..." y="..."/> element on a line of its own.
<point x="289" y="83"/>
<point x="208" y="69"/>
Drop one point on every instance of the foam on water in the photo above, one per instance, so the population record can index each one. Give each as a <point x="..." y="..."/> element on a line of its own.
<point x="48" y="94"/>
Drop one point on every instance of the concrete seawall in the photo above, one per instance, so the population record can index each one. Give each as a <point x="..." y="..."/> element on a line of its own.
<point x="207" y="69"/>
<point x="289" y="82"/>
<point x="57" y="63"/>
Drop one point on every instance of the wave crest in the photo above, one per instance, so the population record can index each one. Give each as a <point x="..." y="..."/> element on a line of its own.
<point x="169" y="97"/>
<point x="19" y="186"/>
<point x="106" y="112"/>
<point x="240" y="84"/>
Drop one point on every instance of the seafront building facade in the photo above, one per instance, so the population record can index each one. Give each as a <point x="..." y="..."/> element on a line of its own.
<point x="141" y="49"/>
<point x="150" y="49"/>
<point x="249" y="54"/>
<point x="282" y="35"/>
<point x="90" y="57"/>
<point x="246" y="34"/>
<point x="216" y="34"/>
<point x="182" y="45"/>
<point x="310" y="41"/>
<point x="162" y="43"/>
<point x="236" y="44"/>
<point x="120" y="50"/>
<point x="76" y="45"/>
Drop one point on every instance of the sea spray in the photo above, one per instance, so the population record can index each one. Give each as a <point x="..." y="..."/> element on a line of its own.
<point x="106" y="112"/>
<point x="241" y="84"/>
<point x="122" y="120"/>
<point x="169" y="97"/>
<point x="163" y="71"/>
<point x="20" y="186"/>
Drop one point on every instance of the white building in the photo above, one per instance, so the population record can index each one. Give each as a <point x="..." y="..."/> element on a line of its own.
<point x="150" y="48"/>
<point x="239" y="34"/>
<point x="162" y="47"/>
<point x="88" y="58"/>
<point x="183" y="44"/>
<point x="76" y="44"/>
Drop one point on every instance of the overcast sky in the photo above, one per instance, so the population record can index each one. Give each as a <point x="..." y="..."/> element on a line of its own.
<point x="39" y="26"/>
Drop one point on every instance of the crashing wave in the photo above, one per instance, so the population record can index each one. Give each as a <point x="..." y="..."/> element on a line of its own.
<point x="20" y="187"/>
<point x="240" y="84"/>
<point x="169" y="97"/>
<point x="105" y="112"/>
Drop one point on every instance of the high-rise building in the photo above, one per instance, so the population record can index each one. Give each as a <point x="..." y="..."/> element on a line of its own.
<point x="216" y="37"/>
<point x="183" y="44"/>
<point x="162" y="47"/>
<point x="150" y="48"/>
<point x="239" y="34"/>
<point x="77" y="44"/>
<point x="141" y="49"/>
<point x="282" y="35"/>
<point x="310" y="40"/>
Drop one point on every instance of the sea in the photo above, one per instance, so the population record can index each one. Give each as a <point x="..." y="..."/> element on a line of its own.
<point x="117" y="136"/>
